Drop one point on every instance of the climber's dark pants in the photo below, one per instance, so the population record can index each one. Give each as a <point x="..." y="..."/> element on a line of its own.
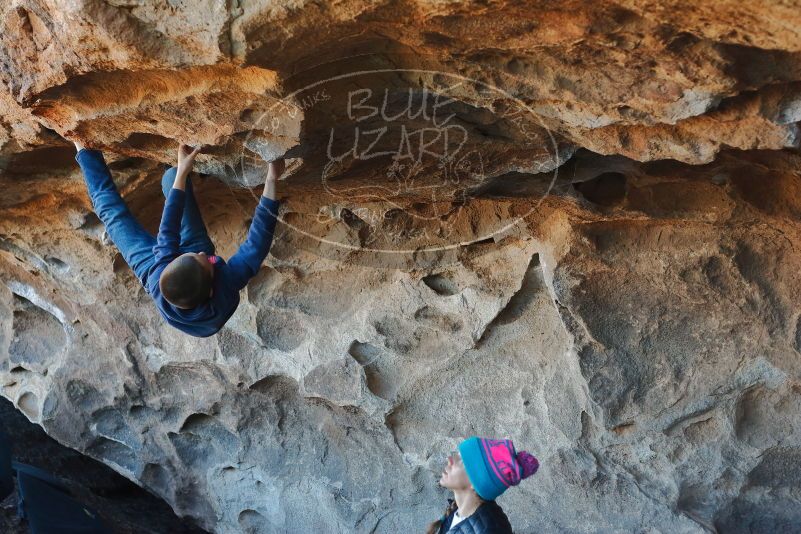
<point x="133" y="241"/>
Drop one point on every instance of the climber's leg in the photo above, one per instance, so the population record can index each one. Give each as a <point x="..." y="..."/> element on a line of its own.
<point x="194" y="236"/>
<point x="134" y="242"/>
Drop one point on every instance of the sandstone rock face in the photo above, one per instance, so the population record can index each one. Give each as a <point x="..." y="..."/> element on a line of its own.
<point x="574" y="225"/>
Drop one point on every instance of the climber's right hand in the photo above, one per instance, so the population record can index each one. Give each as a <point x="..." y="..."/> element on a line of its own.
<point x="276" y="169"/>
<point x="186" y="158"/>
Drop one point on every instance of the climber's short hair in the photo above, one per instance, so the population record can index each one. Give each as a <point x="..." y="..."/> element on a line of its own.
<point x="185" y="282"/>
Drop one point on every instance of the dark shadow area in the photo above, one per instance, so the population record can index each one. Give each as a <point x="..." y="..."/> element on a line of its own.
<point x="47" y="159"/>
<point x="145" y="141"/>
<point x="607" y="189"/>
<point x="514" y="185"/>
<point x="441" y="284"/>
<point x="122" y="505"/>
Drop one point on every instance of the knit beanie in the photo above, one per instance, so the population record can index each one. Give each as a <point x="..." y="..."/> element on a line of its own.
<point x="493" y="465"/>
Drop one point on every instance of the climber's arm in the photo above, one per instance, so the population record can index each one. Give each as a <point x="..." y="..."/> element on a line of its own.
<point x="186" y="158"/>
<point x="273" y="173"/>
<point x="169" y="239"/>
<point x="248" y="259"/>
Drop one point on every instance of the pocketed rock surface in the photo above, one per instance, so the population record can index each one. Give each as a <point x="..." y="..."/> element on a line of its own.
<point x="120" y="504"/>
<point x="596" y="254"/>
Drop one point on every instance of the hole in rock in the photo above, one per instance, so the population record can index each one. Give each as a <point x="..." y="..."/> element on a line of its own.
<point x="368" y="355"/>
<point x="146" y="141"/>
<point x="156" y="478"/>
<point x="280" y="329"/>
<point x="532" y="283"/>
<point x="621" y="15"/>
<point x="109" y="423"/>
<point x="137" y="411"/>
<point x="42" y="160"/>
<point x="28" y="404"/>
<point x="197" y="452"/>
<point x="203" y="441"/>
<point x="441" y="321"/>
<point x="437" y="39"/>
<point x="277" y="384"/>
<point x="248" y="115"/>
<point x="420" y="208"/>
<point x="356" y="223"/>
<point x="38" y="335"/>
<point x="441" y="284"/>
<point x="114" y="451"/>
<point x="351" y="219"/>
<point x="90" y="222"/>
<point x="196" y="422"/>
<point x="399" y="336"/>
<point x="57" y="264"/>
<point x="607" y="189"/>
<point x="252" y="522"/>
<point x="364" y="353"/>
<point x="118" y="264"/>
<point x="83" y="396"/>
<point x="482" y="242"/>
<point x="194" y="501"/>
<point x="750" y="416"/>
<point x="530" y="286"/>
<point x="131" y="163"/>
<point x="515" y="66"/>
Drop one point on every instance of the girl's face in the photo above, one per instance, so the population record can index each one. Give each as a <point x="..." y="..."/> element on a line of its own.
<point x="454" y="477"/>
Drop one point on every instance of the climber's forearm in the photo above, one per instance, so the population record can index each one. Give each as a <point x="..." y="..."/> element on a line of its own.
<point x="269" y="189"/>
<point x="186" y="158"/>
<point x="180" y="179"/>
<point x="273" y="172"/>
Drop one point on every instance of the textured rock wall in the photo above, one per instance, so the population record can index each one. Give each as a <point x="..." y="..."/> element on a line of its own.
<point x="120" y="503"/>
<point x="604" y="268"/>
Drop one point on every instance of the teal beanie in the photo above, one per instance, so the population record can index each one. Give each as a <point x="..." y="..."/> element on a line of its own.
<point x="493" y="465"/>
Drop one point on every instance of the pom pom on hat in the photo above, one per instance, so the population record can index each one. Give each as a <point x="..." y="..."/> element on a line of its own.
<point x="528" y="462"/>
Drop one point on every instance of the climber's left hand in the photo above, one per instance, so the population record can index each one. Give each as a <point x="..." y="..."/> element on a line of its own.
<point x="186" y="158"/>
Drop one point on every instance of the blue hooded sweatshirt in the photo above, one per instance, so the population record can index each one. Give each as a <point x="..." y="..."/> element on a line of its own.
<point x="229" y="278"/>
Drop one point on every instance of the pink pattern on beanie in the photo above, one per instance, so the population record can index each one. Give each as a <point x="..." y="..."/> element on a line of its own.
<point x="509" y="466"/>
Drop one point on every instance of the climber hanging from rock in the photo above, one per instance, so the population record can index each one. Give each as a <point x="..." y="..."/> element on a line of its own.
<point x="195" y="290"/>
<point x="478" y="473"/>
